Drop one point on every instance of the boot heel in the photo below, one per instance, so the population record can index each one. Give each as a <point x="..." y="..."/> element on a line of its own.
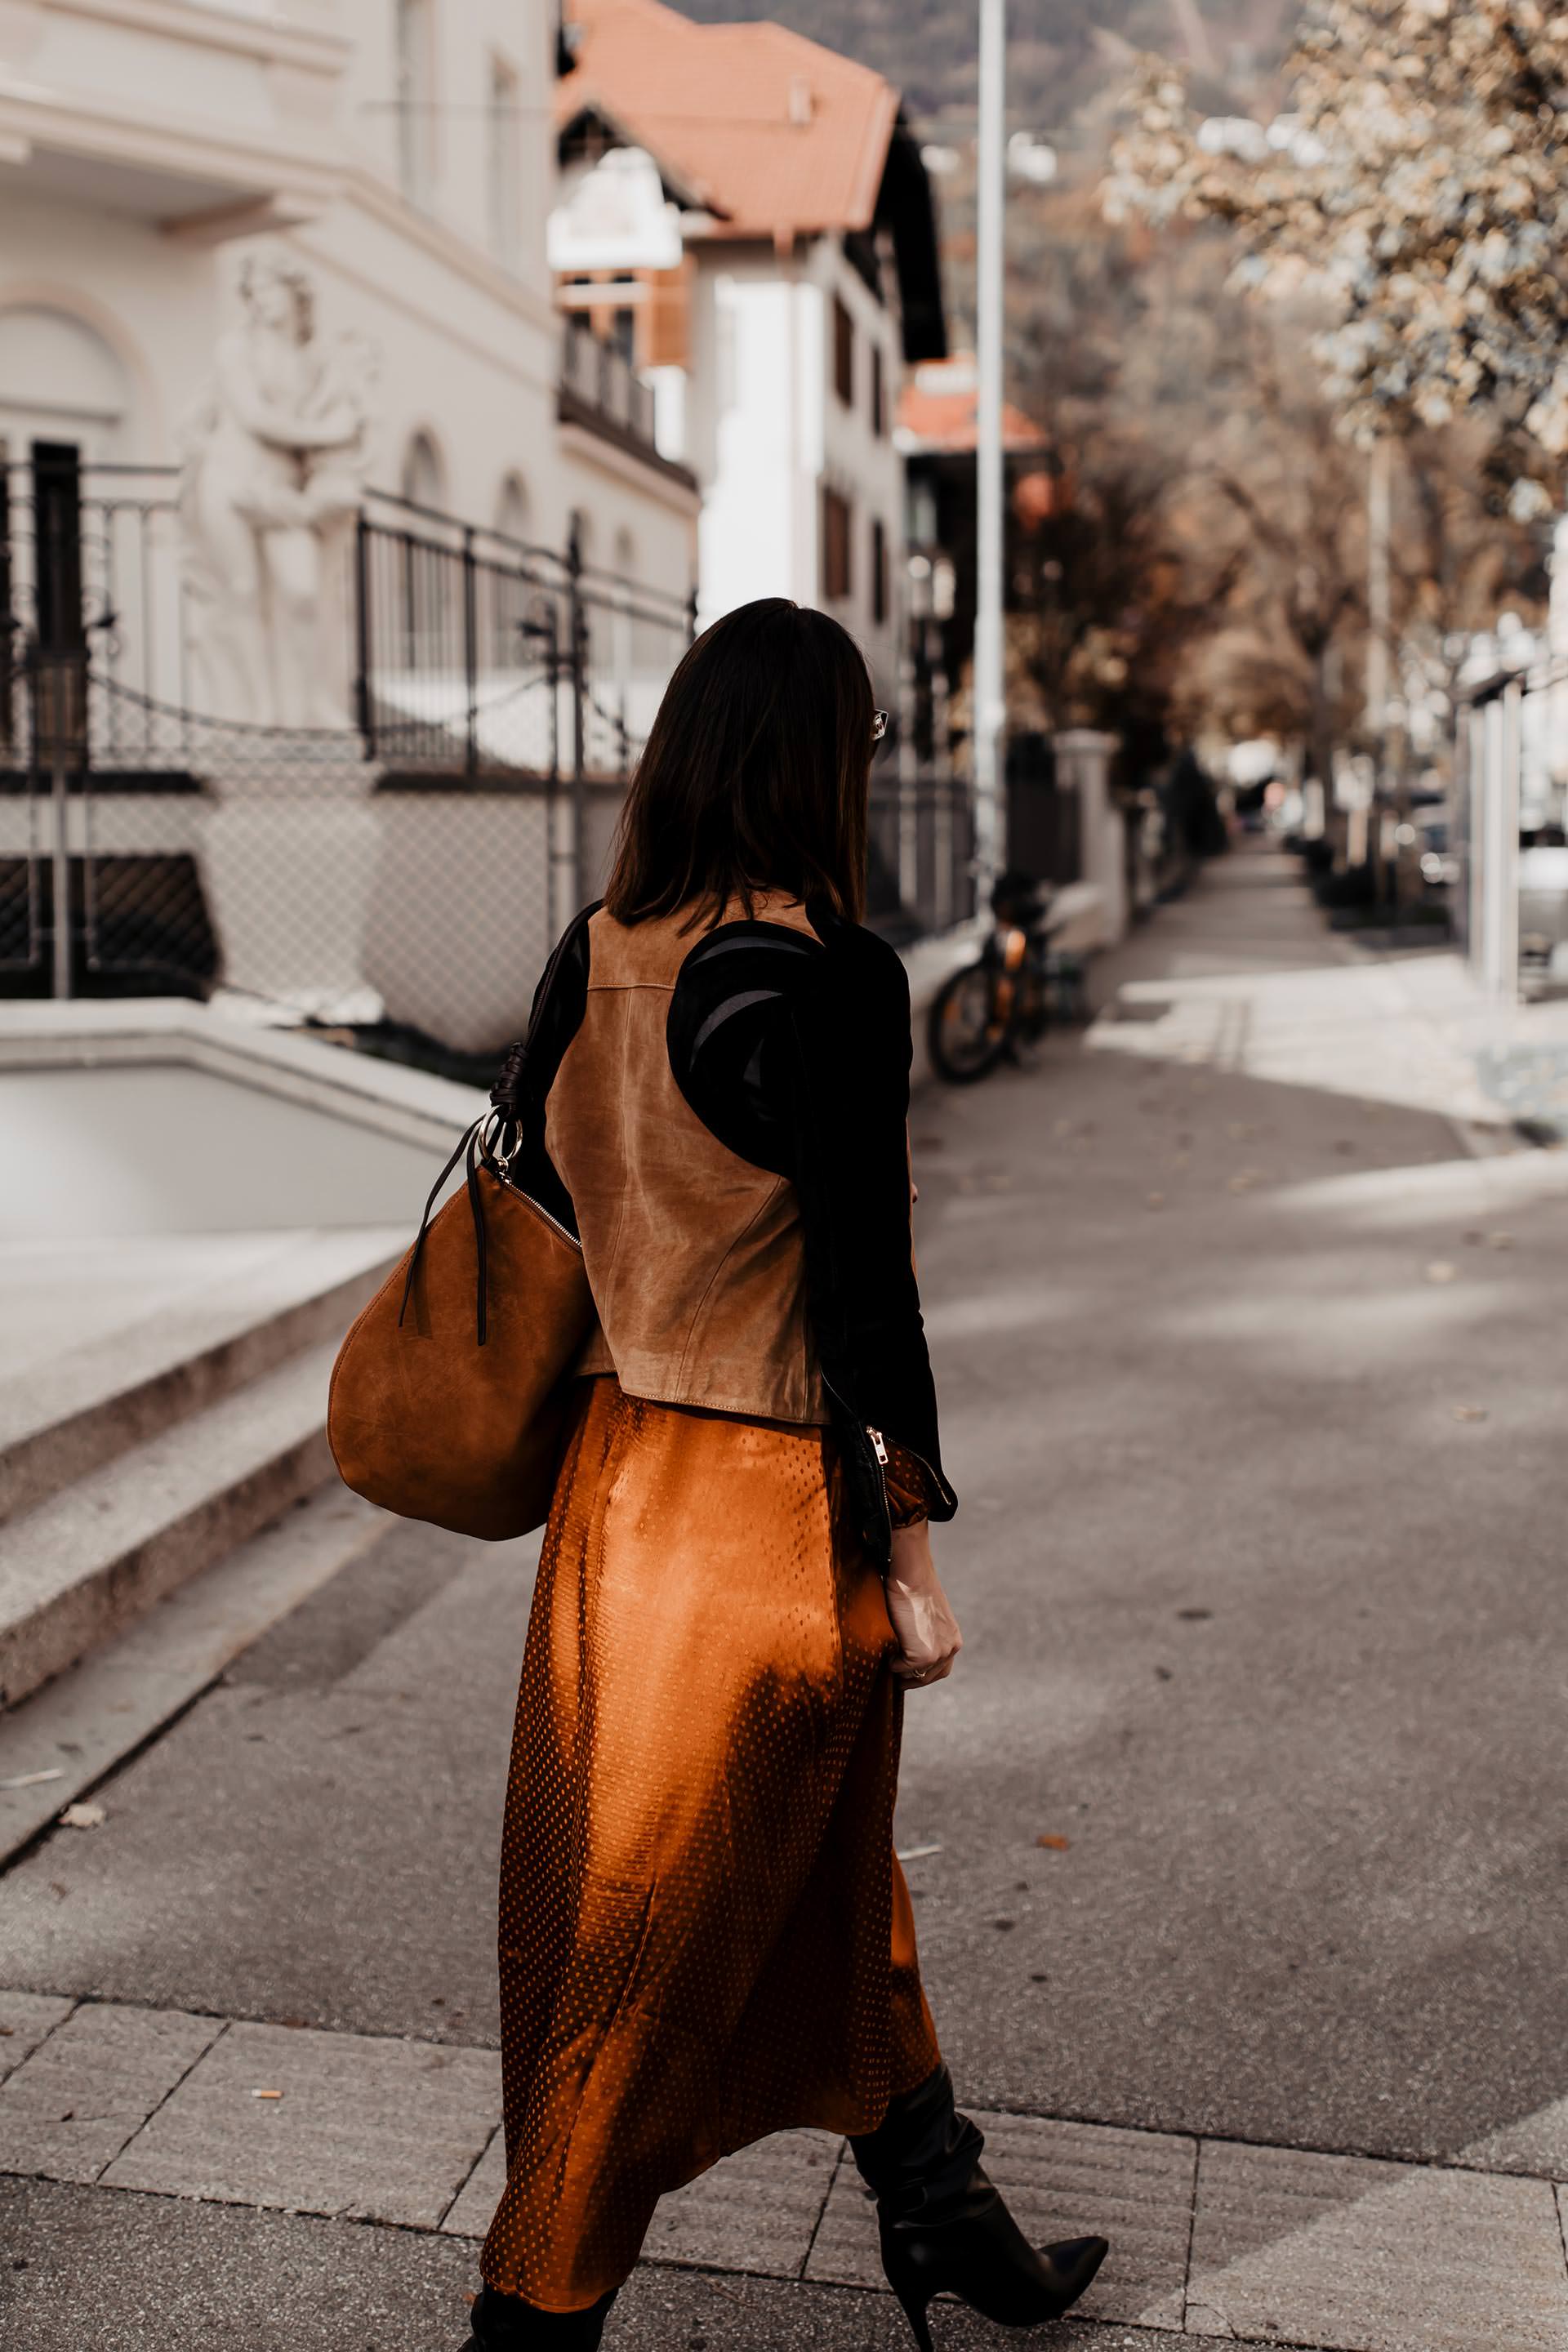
<point x="913" y="2301"/>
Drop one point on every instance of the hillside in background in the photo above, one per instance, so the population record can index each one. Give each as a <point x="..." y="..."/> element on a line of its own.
<point x="1063" y="55"/>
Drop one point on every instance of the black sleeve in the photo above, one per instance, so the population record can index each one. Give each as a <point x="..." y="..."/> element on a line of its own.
<point x="795" y="1053"/>
<point x="527" y="1069"/>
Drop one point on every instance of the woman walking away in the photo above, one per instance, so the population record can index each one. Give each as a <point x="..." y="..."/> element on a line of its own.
<point x="705" y="1936"/>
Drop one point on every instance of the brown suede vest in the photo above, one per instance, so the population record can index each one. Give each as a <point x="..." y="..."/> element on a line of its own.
<point x="695" y="1258"/>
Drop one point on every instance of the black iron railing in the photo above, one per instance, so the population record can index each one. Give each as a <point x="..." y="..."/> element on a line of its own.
<point x="478" y="650"/>
<point x="465" y="648"/>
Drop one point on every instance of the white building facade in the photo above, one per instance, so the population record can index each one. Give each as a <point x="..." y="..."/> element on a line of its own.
<point x="292" y="444"/>
<point x="748" y="211"/>
<point x="399" y="151"/>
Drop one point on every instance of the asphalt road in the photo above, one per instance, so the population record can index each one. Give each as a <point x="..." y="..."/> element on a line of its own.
<point x="1258" y="1563"/>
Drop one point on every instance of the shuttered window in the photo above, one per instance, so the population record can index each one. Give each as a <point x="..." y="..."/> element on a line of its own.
<point x="836" y="527"/>
<point x="843" y="352"/>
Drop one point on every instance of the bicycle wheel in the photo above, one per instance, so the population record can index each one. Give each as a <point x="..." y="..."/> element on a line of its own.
<point x="965" y="1031"/>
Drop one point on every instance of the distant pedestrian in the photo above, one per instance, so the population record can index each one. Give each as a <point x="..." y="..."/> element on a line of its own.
<point x="705" y="1934"/>
<point x="1196" y="820"/>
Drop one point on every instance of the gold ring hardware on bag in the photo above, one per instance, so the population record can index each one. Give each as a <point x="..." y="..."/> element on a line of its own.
<point x="488" y="1146"/>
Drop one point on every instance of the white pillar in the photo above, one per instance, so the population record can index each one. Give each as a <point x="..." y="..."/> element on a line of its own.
<point x="1494" y="764"/>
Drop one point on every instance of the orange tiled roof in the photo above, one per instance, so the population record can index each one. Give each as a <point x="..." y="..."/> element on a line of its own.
<point x="937" y="411"/>
<point x="780" y="136"/>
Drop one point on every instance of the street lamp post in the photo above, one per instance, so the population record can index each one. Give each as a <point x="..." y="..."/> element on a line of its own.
<point x="989" y="689"/>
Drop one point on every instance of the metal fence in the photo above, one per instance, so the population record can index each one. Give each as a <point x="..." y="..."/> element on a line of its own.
<point x="409" y="868"/>
<point x="920" y="867"/>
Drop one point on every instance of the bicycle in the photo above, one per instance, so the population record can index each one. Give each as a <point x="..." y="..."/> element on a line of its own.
<point x="999" y="1006"/>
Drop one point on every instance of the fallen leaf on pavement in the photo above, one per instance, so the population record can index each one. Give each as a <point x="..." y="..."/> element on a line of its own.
<point x="1469" y="1412"/>
<point x="83" y="1817"/>
<point x="1156" y="1201"/>
<point x="1440" y="1270"/>
<point x="1053" y="1843"/>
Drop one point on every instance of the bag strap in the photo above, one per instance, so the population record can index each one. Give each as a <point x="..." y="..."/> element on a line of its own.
<point x="496" y="1134"/>
<point x="468" y="1146"/>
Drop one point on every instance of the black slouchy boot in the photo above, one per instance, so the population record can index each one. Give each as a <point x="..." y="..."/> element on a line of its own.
<point x="504" y="2323"/>
<point x="944" y="2226"/>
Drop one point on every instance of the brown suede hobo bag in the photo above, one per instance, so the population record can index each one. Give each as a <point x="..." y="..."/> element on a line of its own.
<point x="449" y="1395"/>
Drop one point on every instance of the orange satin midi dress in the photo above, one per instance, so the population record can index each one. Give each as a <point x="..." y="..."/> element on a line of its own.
<point x="705" y="1935"/>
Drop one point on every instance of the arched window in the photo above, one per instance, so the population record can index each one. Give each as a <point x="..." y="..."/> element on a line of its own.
<point x="428" y="586"/>
<point x="624" y="633"/>
<point x="424" y="476"/>
<point x="580" y="533"/>
<point x="60" y="382"/>
<point x="509" y="582"/>
<point x="514" y="507"/>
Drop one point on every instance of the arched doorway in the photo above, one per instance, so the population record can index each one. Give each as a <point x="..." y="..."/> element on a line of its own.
<point x="60" y="383"/>
<point x="64" y="403"/>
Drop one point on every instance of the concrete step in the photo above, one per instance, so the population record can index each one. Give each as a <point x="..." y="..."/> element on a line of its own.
<point x="63" y="1741"/>
<point x="205" y="1329"/>
<point x="79" y="1568"/>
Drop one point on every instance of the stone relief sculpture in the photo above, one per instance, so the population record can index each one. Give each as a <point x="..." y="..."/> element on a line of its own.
<point x="274" y="471"/>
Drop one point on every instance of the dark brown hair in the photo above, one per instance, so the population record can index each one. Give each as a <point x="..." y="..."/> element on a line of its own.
<point x="754" y="775"/>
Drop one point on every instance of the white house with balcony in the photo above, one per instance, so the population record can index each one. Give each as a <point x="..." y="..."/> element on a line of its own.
<point x="746" y="215"/>
<point x="401" y="153"/>
<point x="293" y="440"/>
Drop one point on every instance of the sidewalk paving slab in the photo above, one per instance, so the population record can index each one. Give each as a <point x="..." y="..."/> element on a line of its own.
<point x="753" y="2212"/>
<point x="1537" y="2144"/>
<point x="1374" y="2257"/>
<point x="381" y="2130"/>
<point x="756" y="2212"/>
<point x="468" y="2215"/>
<point x="89" y="2087"/>
<point x="25" y="2018"/>
<point x="1062" y="2180"/>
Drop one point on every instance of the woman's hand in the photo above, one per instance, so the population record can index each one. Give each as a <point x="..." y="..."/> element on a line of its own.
<point x="926" y="1629"/>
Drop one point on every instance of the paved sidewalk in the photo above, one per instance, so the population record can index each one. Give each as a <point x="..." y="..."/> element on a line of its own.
<point x="1235" y="1842"/>
<point x="1211" y="2237"/>
<point x="1410" y="1029"/>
